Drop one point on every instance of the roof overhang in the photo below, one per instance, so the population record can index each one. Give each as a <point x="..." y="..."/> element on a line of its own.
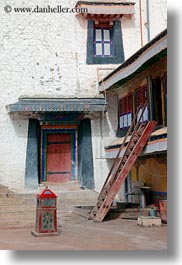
<point x="144" y="57"/>
<point x="105" y="10"/>
<point x="31" y="105"/>
<point x="156" y="143"/>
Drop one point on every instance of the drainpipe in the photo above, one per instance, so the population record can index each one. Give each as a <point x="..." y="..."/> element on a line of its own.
<point x="148" y="20"/>
<point x="141" y="29"/>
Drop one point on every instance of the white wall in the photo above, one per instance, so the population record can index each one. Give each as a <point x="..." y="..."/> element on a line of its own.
<point x="45" y="54"/>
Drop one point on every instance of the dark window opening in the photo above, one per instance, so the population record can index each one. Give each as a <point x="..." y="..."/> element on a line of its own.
<point x="165" y="97"/>
<point x="157" y="101"/>
<point x="141" y="97"/>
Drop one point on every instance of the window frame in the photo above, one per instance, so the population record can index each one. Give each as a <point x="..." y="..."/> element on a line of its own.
<point x="125" y="111"/>
<point x="141" y="102"/>
<point x="103" y="27"/>
<point x="117" y="46"/>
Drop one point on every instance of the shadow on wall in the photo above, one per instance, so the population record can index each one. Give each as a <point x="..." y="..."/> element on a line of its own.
<point x="19" y="125"/>
<point x="128" y="23"/>
<point x="82" y="22"/>
<point x="106" y="122"/>
<point x="109" y="126"/>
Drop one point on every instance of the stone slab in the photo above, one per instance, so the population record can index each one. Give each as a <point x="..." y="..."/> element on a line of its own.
<point x="36" y="234"/>
<point x="149" y="221"/>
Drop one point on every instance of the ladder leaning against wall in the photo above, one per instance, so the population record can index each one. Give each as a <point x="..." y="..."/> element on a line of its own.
<point x="138" y="134"/>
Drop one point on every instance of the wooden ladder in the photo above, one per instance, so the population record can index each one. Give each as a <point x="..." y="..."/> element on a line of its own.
<point x="138" y="134"/>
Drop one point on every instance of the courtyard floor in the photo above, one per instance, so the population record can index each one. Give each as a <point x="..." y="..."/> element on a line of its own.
<point x="78" y="233"/>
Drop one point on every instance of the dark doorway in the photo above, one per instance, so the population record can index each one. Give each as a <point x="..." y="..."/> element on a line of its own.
<point x="157" y="101"/>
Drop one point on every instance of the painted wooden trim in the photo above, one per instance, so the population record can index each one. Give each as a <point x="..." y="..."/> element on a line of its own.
<point x="112" y="152"/>
<point x="129" y="69"/>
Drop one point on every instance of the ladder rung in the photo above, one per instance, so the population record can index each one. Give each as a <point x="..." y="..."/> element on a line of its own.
<point x="123" y="165"/>
<point x="133" y="143"/>
<point x="119" y="170"/>
<point x="105" y="192"/>
<point x="103" y="197"/>
<point x="131" y="148"/>
<point x="94" y="213"/>
<point x="110" y="183"/>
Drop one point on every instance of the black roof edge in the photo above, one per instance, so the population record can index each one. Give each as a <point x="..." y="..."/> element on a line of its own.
<point x="104" y="3"/>
<point x="135" y="55"/>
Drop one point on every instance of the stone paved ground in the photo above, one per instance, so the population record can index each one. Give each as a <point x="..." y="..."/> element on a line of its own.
<point x="79" y="233"/>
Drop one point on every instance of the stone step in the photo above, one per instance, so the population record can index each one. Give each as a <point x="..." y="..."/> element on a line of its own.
<point x="3" y="189"/>
<point x="16" y="224"/>
<point x="65" y="197"/>
<point x="20" y="208"/>
<point x="10" y="201"/>
<point x="25" y="218"/>
<point x="30" y="202"/>
<point x="16" y="208"/>
<point x="8" y="194"/>
<point x="18" y="217"/>
<point x="26" y="215"/>
<point x="80" y="196"/>
<point x="67" y="186"/>
<point x="30" y="223"/>
<point x="83" y="211"/>
<point x="22" y="215"/>
<point x="128" y="213"/>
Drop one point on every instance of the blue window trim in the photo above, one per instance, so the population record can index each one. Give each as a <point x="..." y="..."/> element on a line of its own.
<point x="117" y="46"/>
<point x="103" y="41"/>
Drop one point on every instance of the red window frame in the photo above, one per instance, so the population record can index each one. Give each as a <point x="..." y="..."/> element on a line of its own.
<point x="141" y="97"/>
<point x="125" y="111"/>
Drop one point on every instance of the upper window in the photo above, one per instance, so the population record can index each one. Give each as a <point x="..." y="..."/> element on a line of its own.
<point x="165" y="97"/>
<point x="141" y="96"/>
<point x="125" y="111"/>
<point x="102" y="43"/>
<point x="157" y="101"/>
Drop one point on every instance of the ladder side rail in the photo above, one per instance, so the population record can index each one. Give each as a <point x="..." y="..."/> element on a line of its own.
<point x="140" y="117"/>
<point x="128" y="145"/>
<point x="122" y="145"/>
<point x="143" y="138"/>
<point x="124" y="173"/>
<point x="110" y="177"/>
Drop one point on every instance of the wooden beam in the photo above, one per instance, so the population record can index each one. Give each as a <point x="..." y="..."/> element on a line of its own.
<point x="103" y="18"/>
<point x="84" y="15"/>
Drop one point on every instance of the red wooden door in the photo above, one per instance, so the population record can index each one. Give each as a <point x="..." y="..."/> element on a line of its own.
<point x="58" y="158"/>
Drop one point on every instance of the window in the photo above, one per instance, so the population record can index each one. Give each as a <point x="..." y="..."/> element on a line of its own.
<point x="102" y="43"/>
<point x="157" y="114"/>
<point x="141" y="97"/>
<point x="125" y="111"/>
<point x="165" y="97"/>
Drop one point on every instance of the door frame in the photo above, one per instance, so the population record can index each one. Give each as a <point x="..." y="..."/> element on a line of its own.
<point x="50" y="129"/>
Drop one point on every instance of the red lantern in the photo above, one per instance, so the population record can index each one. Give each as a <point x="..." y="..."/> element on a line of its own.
<point x="46" y="214"/>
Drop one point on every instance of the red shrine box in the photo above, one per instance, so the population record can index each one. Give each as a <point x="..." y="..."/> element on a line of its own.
<point x="46" y="214"/>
